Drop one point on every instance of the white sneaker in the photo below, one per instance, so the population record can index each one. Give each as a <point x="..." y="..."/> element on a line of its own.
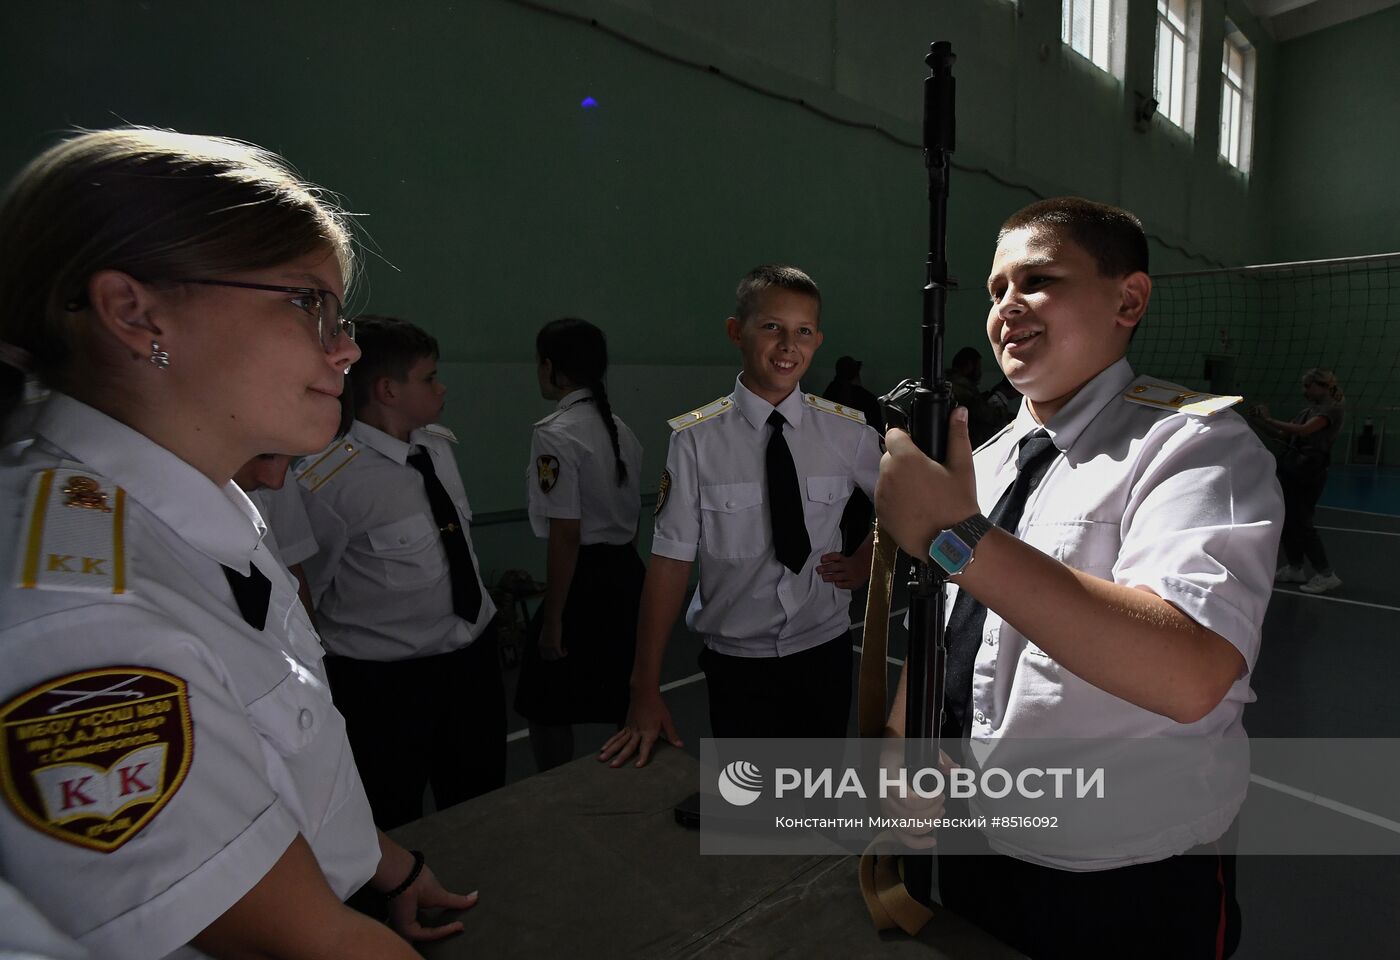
<point x="1287" y="574"/>
<point x="1321" y="583"/>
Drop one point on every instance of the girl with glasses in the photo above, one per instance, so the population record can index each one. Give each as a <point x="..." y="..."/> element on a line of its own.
<point x="176" y="777"/>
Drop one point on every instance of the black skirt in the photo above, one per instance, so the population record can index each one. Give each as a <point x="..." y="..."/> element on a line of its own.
<point x="590" y="684"/>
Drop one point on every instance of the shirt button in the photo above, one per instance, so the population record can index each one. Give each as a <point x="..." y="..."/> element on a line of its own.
<point x="729" y="504"/>
<point x="305" y="719"/>
<point x="403" y="539"/>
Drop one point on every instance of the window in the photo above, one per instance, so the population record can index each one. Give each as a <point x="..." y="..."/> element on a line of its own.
<point x="1094" y="29"/>
<point x="1236" y="98"/>
<point x="1174" y="78"/>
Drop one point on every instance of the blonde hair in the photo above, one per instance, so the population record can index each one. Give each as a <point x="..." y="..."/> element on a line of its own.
<point x="1324" y="378"/>
<point x="155" y="204"/>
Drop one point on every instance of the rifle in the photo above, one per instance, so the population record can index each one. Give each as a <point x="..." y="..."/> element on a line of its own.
<point x="922" y="407"/>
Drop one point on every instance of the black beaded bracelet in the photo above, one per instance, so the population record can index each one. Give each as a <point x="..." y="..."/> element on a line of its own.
<point x="412" y="875"/>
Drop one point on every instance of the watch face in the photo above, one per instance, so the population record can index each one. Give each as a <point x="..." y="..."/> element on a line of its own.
<point x="949" y="552"/>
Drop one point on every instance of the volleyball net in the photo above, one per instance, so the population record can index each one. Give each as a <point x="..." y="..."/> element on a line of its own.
<point x="1254" y="331"/>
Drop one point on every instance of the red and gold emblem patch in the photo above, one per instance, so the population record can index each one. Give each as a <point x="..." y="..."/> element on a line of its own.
<point x="548" y="469"/>
<point x="92" y="757"/>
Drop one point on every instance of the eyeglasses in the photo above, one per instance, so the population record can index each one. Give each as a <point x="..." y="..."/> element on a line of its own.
<point x="324" y="305"/>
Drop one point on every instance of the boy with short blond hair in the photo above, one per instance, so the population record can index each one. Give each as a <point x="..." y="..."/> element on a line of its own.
<point x="754" y="489"/>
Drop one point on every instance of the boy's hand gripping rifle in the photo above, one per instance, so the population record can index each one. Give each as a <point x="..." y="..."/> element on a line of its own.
<point x="921" y="407"/>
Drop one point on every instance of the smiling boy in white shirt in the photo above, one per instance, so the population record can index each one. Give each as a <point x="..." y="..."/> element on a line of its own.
<point x="754" y="488"/>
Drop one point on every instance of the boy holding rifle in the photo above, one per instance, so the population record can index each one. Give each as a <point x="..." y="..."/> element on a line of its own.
<point x="1117" y="590"/>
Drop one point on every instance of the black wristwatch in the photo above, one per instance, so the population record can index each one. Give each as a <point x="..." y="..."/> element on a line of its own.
<point x="951" y="550"/>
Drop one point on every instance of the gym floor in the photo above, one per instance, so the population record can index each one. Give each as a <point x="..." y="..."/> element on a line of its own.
<point x="1326" y="669"/>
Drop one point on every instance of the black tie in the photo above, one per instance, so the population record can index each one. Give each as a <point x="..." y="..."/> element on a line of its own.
<point x="251" y="593"/>
<point x="963" y="636"/>
<point x="790" y="539"/>
<point x="466" y="589"/>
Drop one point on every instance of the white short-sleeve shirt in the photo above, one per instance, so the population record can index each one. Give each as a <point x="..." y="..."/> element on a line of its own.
<point x="289" y="533"/>
<point x="713" y="510"/>
<point x="1184" y="505"/>
<point x="161" y="754"/>
<point x="573" y="473"/>
<point x="25" y="934"/>
<point x="381" y="579"/>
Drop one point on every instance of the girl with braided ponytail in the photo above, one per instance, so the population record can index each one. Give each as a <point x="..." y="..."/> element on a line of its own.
<point x="584" y="499"/>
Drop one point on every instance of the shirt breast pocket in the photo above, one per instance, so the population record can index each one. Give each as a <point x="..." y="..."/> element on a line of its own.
<point x="289" y="715"/>
<point x="298" y="722"/>
<point x="733" y="524"/>
<point x="408" y="551"/>
<point x="829" y="491"/>
<point x="1089" y="546"/>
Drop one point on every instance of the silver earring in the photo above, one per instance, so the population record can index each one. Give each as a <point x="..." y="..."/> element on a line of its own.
<point x="158" y="356"/>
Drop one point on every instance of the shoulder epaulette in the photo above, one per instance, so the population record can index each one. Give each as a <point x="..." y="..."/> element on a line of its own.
<point x="74" y="533"/>
<point x="708" y="412"/>
<point x="841" y="410"/>
<point x="317" y="470"/>
<point x="438" y="430"/>
<point x="1170" y="396"/>
<point x="552" y="416"/>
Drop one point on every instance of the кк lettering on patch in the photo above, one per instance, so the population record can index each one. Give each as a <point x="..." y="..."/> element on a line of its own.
<point x="91" y="757"/>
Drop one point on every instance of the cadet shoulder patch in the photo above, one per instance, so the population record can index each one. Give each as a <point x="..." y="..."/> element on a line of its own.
<point x="662" y="492"/>
<point x="438" y="430"/>
<point x="74" y="533"/>
<point x="1170" y="396"/>
<point x="90" y="758"/>
<point x="547" y="469"/>
<point x="826" y="406"/>
<point x="701" y="414"/>
<point x="315" y="472"/>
